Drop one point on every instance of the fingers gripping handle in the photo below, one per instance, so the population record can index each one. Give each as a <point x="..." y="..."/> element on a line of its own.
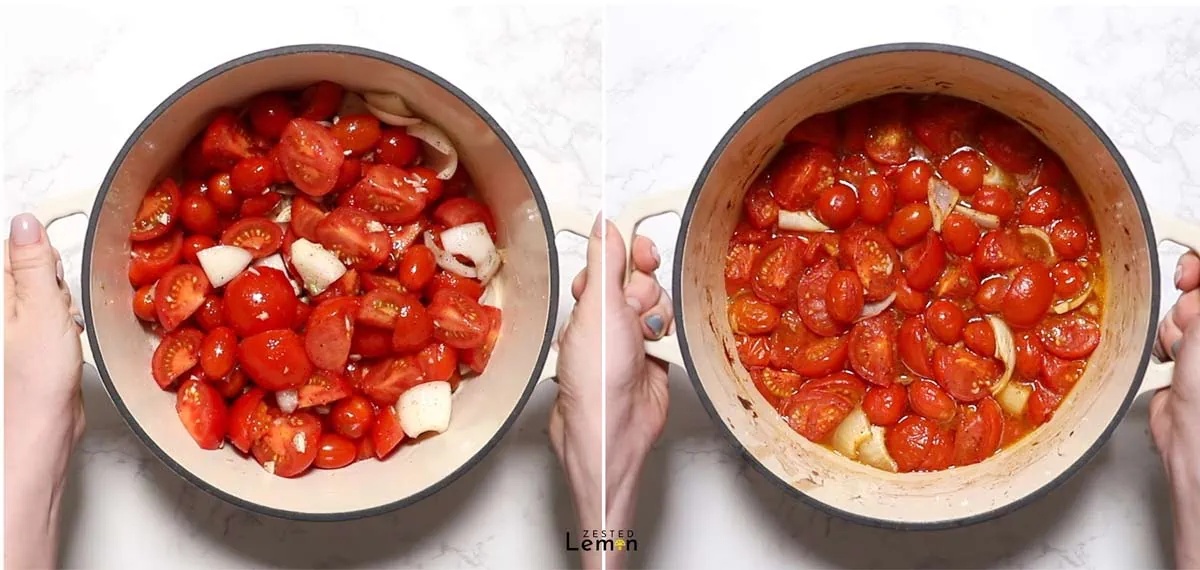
<point x="1186" y="233"/>
<point x="51" y="211"/>
<point x="569" y="219"/>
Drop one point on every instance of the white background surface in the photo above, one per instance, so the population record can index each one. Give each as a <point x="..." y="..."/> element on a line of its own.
<point x="77" y="81"/>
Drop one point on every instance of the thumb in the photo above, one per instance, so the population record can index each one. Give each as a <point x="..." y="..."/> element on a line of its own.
<point x="31" y="262"/>
<point x="606" y="256"/>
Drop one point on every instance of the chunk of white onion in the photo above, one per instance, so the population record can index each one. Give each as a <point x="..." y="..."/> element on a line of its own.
<point x="942" y="198"/>
<point x="442" y="157"/>
<point x="996" y="176"/>
<point x="390" y="104"/>
<point x="1006" y="350"/>
<point x="425" y="408"/>
<point x="471" y="241"/>
<point x="853" y="430"/>
<point x="872" y="309"/>
<point x="221" y="263"/>
<point x="317" y="266"/>
<point x="1014" y="397"/>
<point x="982" y="219"/>
<point x="873" y="451"/>
<point x="288" y="400"/>
<point x="282" y="212"/>
<point x="800" y="222"/>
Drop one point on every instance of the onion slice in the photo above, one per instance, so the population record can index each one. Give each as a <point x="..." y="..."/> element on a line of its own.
<point x="942" y="199"/>
<point x="873" y="451"/>
<point x="352" y="104"/>
<point x="1014" y="398"/>
<point x="800" y="222"/>
<point x="996" y="176"/>
<point x="1006" y="351"/>
<point x="471" y="241"/>
<point x="851" y="433"/>
<point x="872" y="309"/>
<point x="1031" y="234"/>
<point x="389" y="108"/>
<point x="984" y="220"/>
<point x="288" y="400"/>
<point x="1068" y="305"/>
<point x="443" y="158"/>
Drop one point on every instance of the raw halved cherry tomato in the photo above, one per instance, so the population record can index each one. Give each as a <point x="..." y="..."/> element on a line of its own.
<point x="390" y="194"/>
<point x="249" y="418"/>
<point x="821" y="129"/>
<point x="218" y="352"/>
<point x="203" y="413"/>
<point x="945" y="320"/>
<point x="910" y="223"/>
<point x="960" y="233"/>
<point x="158" y="213"/>
<point x="924" y="262"/>
<point x="176" y="353"/>
<point x="965" y="375"/>
<point x="913" y="182"/>
<point x="958" y="281"/>
<point x="458" y="320"/>
<point x="844" y="296"/>
<point x="417" y="266"/>
<point x="990" y="295"/>
<point x="251" y="176"/>
<point x="1060" y="375"/>
<point x="311" y="157"/>
<point x="444" y="280"/>
<point x="1041" y="406"/>
<point x="777" y="386"/>
<point x="322" y="388"/>
<point x="328" y="333"/>
<point x="928" y="399"/>
<point x="761" y="210"/>
<point x="211" y="314"/>
<point x="320" y="100"/>
<point x="1069" y="237"/>
<point x="789" y="339"/>
<point x="778" y="271"/>
<point x="996" y="201"/>
<point x="373" y="281"/>
<point x="381" y="307"/>
<point x="306" y="215"/>
<point x="199" y="216"/>
<point x="220" y="191"/>
<point x="844" y="384"/>
<point x="193" y="245"/>
<point x="477" y="358"/>
<point x="855" y="120"/>
<point x="1070" y="336"/>
<point x="414" y="325"/>
<point x="814" y="414"/>
<point x="810" y="303"/>
<point x="997" y="252"/>
<point x="750" y="315"/>
<point x="1041" y="207"/>
<point x="334" y="452"/>
<point x="964" y="170"/>
<point x="290" y="445"/>
<point x="352" y="416"/>
<point x="275" y="359"/>
<point x="386" y="434"/>
<point x="230" y="385"/>
<point x="143" y="304"/>
<point x="876" y="198"/>
<point x="225" y="142"/>
<point x="259" y="236"/>
<point x="821" y="357"/>
<point x="753" y="351"/>
<point x="357" y="238"/>
<point x="885" y="405"/>
<point x="259" y="300"/>
<point x="1009" y="145"/>
<point x="269" y="114"/>
<point x="873" y="349"/>
<point x="977" y="435"/>
<point x="1069" y="279"/>
<point x="349" y="174"/>
<point x="801" y="174"/>
<point x="357" y="133"/>
<point x="1029" y="295"/>
<point x="837" y="206"/>
<point x="178" y="295"/>
<point x="439" y="362"/>
<point x="979" y="337"/>
<point x="256" y="206"/>
<point x="889" y="142"/>
<point x="916" y="346"/>
<point x="152" y="259"/>
<point x="919" y="444"/>
<point x="868" y="252"/>
<point x="348" y="285"/>
<point x="397" y="147"/>
<point x="389" y="379"/>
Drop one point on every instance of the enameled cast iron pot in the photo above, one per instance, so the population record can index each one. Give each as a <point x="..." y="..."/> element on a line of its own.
<point x="1121" y="367"/>
<point x="484" y="408"/>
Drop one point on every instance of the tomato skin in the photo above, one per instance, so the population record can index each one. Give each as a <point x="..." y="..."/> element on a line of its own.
<point x="386" y="434"/>
<point x="991" y="293"/>
<point x="996" y="201"/>
<point x="779" y="270"/>
<point x="193" y="245"/>
<point x="868" y="251"/>
<point x="750" y="315"/>
<point x="458" y="320"/>
<point x="259" y="300"/>
<point x="801" y="174"/>
<point x="855" y="168"/>
<point x="916" y="347"/>
<point x="220" y="192"/>
<point x="176" y="353"/>
<point x="397" y="147"/>
<point x="178" y="294"/>
<point x="438" y="361"/>
<point x="320" y="100"/>
<point x="322" y="388"/>
<point x="280" y="447"/>
<point x="776" y="386"/>
<point x="199" y="216"/>
<point x="417" y="266"/>
<point x="945" y="320"/>
<point x="329" y="331"/>
<point x="919" y="444"/>
<point x="811" y="294"/>
<point x="1029" y="295"/>
<point x="269" y="114"/>
<point x="789" y="339"/>
<point x="979" y="337"/>
<point x="1070" y="336"/>
<point x="909" y="300"/>
<point x="1041" y="407"/>
<point x="218" y="352"/>
<point x="248" y="419"/>
<point x="913" y="182"/>
<point x="203" y="413"/>
<point x="873" y="349"/>
<point x="820" y="129"/>
<point x="876" y="199"/>
<point x="924" y="263"/>
<point x="158" y="212"/>
<point x="390" y="194"/>
<point x="358" y="239"/>
<point x="844" y="296"/>
<point x="414" y="325"/>
<point x="844" y="384"/>
<point x="275" y="359"/>
<point x="977" y="435"/>
<point x="761" y="210"/>
<point x="357" y="133"/>
<point x="224" y="141"/>
<point x="444" y="280"/>
<point x="260" y="236"/>
<point x="889" y="142"/>
<point x="964" y="170"/>
<point x="965" y="375"/>
<point x="352" y="416"/>
<point x="334" y="452"/>
<point x="885" y="405"/>
<point x="1069" y="237"/>
<point x="1069" y="279"/>
<point x="753" y="351"/>
<point x="251" y="176"/>
<point x="1029" y="355"/>
<point x="910" y="224"/>
<point x="143" y="304"/>
<point x="997" y="252"/>
<point x="311" y="156"/>
<point x="928" y="399"/>
<point x="837" y="207"/>
<point x="211" y="314"/>
<point x="822" y="357"/>
<point x="814" y="414"/>
<point x="1041" y="207"/>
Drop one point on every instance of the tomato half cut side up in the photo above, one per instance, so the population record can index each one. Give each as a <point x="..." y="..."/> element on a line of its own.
<point x="477" y="358"/>
<point x="386" y="434"/>
<point x="779" y="269"/>
<point x="249" y="417"/>
<point x="814" y="414"/>
<point x="391" y="194"/>
<point x="458" y="320"/>
<point x="203" y="413"/>
<point x="811" y="303"/>
<point x="158" y="213"/>
<point x="965" y="375"/>
<point x="329" y="332"/>
<point x="311" y="156"/>
<point x="289" y="446"/>
<point x="867" y="251"/>
<point x="322" y="388"/>
<point x="150" y="260"/>
<point x="358" y="239"/>
<point x="260" y="236"/>
<point x="387" y="380"/>
<point x="179" y="293"/>
<point x="873" y="349"/>
<point x="176" y="354"/>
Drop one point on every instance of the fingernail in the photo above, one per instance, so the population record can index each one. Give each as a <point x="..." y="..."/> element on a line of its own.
<point x="1178" y="274"/>
<point x="59" y="271"/>
<point x="25" y="230"/>
<point x="654" y="252"/>
<point x="1175" y="349"/>
<point x="599" y="226"/>
<point x="656" y="324"/>
<point x="633" y="302"/>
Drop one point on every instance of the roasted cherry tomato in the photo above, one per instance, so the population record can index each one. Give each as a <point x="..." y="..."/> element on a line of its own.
<point x="945" y="320"/>
<point x="844" y="296"/>
<point x="822" y="356"/>
<point x="777" y="386"/>
<point x="820" y="129"/>
<point x="990" y="295"/>
<point x="910" y="223"/>
<point x="997" y="252"/>
<point x="965" y="375"/>
<point x="924" y="262"/>
<point x="960" y="233"/>
<point x="1071" y="336"/>
<point x="868" y="252"/>
<point x="837" y="206"/>
<point x="919" y="444"/>
<point x="814" y="414"/>
<point x="753" y="351"/>
<point x="873" y="349"/>
<point x="912" y="182"/>
<point x="1029" y="295"/>
<point x="761" y="210"/>
<point x="750" y="315"/>
<point x="801" y="174"/>
<point x="1041" y="406"/>
<point x="977" y="435"/>
<point x="964" y="170"/>
<point x="779" y="270"/>
<point x="889" y="142"/>
<point x="885" y="405"/>
<point x="811" y="297"/>
<point x="916" y="346"/>
<point x="1041" y="207"/>
<point x="996" y="201"/>
<point x="788" y="340"/>
<point x="1069" y="279"/>
<point x="1009" y="145"/>
<point x="928" y="399"/>
<point x="1060" y="375"/>
<point x="875" y="198"/>
<point x="980" y="338"/>
<point x="1069" y="237"/>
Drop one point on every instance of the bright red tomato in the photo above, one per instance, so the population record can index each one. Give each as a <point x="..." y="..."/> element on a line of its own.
<point x="844" y="296"/>
<point x="814" y="414"/>
<point x="821" y="129"/>
<point x="417" y="267"/>
<point x="979" y="337"/>
<point x="960" y="233"/>
<point x="179" y="293"/>
<point x="203" y="413"/>
<point x="965" y="375"/>
<point x="322" y="388"/>
<point x="1069" y="237"/>
<point x="919" y="444"/>
<point x="150" y="260"/>
<point x="876" y="198"/>
<point x="158" y="213"/>
<point x="357" y="133"/>
<point x="964" y="170"/>
<point x="1029" y="295"/>
<point x="414" y="325"/>
<point x="357" y="238"/>
<point x="996" y="201"/>
<point x="750" y="315"/>
<point x="390" y="194"/>
<point x="910" y="223"/>
<point x="218" y="352"/>
<point x="193" y="245"/>
<point x="320" y="100"/>
<point x="924" y="262"/>
<point x="329" y="331"/>
<point x="821" y="357"/>
<point x="334" y="452"/>
<point x="916" y="346"/>
<point x="1041" y="207"/>
<point x="1009" y="145"/>
<point x="269" y="114"/>
<point x="458" y="320"/>
<point x="837" y="206"/>
<point x="143" y="304"/>
<point x="311" y="156"/>
<point x="753" y="351"/>
<point x="802" y="173"/>
<point x="889" y="142"/>
<point x="1071" y="336"/>
<point x="397" y="147"/>
<point x="220" y="191"/>
<point x="811" y="294"/>
<point x="275" y="359"/>
<point x="176" y="354"/>
<point x="258" y="300"/>
<point x="249" y="417"/>
<point x="977" y="435"/>
<point x="885" y="405"/>
<point x="290" y="444"/>
<point x="929" y="400"/>
<point x="868" y="252"/>
<point x="913" y="182"/>
<point x="306" y="216"/>
<point x="438" y="361"/>
<point x="873" y="349"/>
<point x="225" y="141"/>
<point x="251" y="176"/>
<point x="386" y="434"/>
<point x="945" y="320"/>
<point x="459" y="211"/>
<point x="260" y="236"/>
<point x="389" y="379"/>
<point x="352" y="416"/>
<point x="779" y="269"/>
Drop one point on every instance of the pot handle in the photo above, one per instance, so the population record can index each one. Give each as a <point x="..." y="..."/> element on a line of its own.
<point x="53" y="210"/>
<point x="1185" y="233"/>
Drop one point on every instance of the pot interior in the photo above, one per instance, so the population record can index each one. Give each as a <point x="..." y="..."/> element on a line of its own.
<point x="482" y="406"/>
<point x="917" y="499"/>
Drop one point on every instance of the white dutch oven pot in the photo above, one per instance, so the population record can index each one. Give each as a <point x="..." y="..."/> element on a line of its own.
<point x="1121" y="367"/>
<point x="484" y="408"/>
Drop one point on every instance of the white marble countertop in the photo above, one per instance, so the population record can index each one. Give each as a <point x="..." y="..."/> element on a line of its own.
<point x="674" y="80"/>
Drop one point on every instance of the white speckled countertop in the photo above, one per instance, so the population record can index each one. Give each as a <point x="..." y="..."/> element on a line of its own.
<point x="674" y="80"/>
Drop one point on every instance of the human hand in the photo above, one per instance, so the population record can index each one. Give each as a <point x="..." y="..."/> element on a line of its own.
<point x="43" y="410"/>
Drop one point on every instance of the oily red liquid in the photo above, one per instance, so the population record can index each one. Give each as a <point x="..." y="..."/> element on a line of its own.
<point x="865" y="172"/>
